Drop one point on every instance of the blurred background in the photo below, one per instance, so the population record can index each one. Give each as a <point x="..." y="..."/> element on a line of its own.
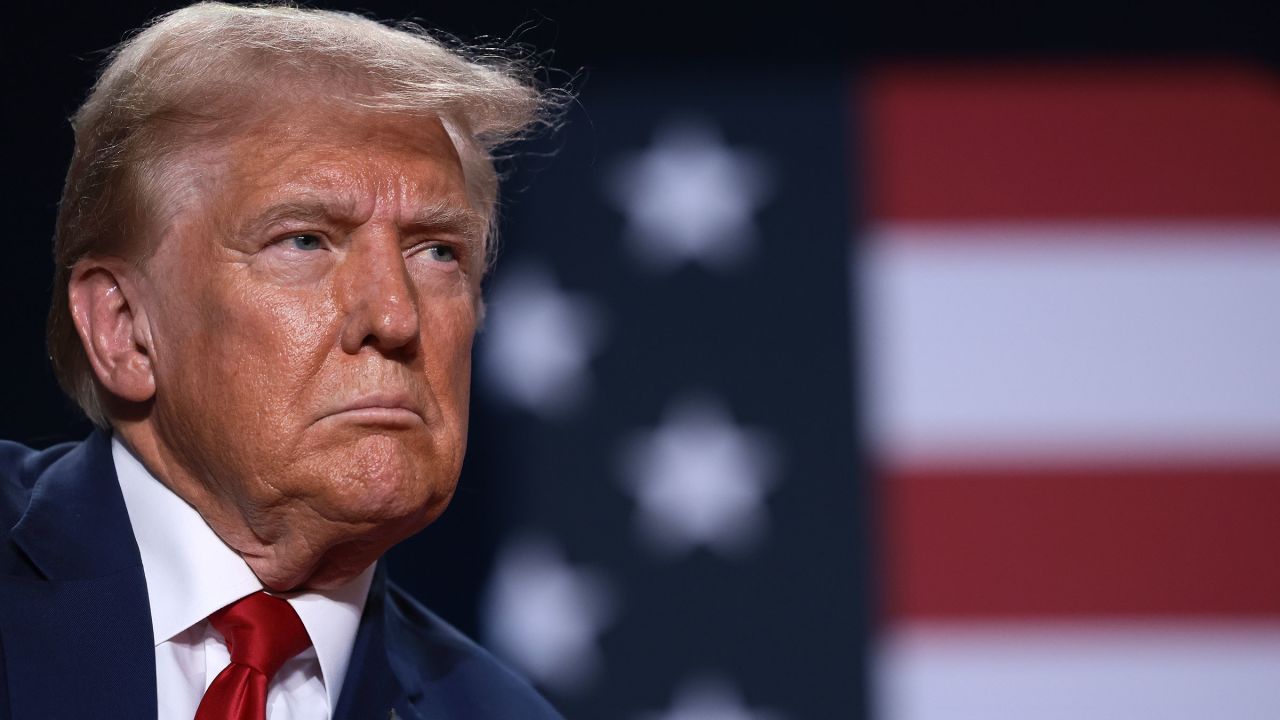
<point x="900" y="361"/>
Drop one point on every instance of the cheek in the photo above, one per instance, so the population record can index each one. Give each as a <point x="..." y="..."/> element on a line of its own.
<point x="280" y="343"/>
<point x="447" y="335"/>
<point x="250" y="352"/>
<point x="456" y="329"/>
<point x="296" y="329"/>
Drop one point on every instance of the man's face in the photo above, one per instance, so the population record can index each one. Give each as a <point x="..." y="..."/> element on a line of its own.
<point x="312" y="314"/>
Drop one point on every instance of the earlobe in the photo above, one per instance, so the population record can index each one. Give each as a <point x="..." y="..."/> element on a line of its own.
<point x="111" y="324"/>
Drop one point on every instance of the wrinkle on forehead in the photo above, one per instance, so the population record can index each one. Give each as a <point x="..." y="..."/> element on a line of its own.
<point x="297" y="126"/>
<point x="354" y="166"/>
<point x="441" y="216"/>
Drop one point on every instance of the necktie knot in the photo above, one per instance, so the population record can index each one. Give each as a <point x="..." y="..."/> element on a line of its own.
<point x="261" y="631"/>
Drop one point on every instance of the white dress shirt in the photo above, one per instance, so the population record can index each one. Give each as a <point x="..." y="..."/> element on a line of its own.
<point x="191" y="573"/>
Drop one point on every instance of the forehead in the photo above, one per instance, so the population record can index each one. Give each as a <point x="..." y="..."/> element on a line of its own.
<point x="327" y="136"/>
<point x="348" y="158"/>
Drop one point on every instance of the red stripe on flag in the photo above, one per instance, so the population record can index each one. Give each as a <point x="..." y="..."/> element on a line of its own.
<point x="1074" y="142"/>
<point x="1176" y="541"/>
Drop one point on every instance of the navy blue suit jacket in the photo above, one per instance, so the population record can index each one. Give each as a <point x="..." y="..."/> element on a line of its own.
<point x="75" y="624"/>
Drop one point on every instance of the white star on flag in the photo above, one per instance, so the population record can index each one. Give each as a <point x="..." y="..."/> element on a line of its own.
<point x="544" y="615"/>
<point x="699" y="479"/>
<point x="537" y="342"/>
<point x="709" y="698"/>
<point x="689" y="198"/>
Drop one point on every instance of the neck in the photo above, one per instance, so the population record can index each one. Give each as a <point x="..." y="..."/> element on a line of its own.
<point x="285" y="550"/>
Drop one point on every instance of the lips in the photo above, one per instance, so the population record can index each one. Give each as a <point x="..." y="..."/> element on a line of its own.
<point x="392" y="409"/>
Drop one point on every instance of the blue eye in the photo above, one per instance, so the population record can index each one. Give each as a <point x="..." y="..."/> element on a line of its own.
<point x="441" y="253"/>
<point x="306" y="242"/>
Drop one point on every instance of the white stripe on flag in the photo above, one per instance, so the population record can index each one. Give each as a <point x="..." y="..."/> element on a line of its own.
<point x="1097" y="671"/>
<point x="1042" y="341"/>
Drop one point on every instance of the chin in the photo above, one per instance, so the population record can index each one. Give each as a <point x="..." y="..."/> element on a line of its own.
<point x="387" y="480"/>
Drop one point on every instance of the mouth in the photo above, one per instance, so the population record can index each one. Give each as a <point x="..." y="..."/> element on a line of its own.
<point x="380" y="410"/>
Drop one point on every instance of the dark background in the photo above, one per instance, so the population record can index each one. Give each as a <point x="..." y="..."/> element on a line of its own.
<point x="51" y="52"/>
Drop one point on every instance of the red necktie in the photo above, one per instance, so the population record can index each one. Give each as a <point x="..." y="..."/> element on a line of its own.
<point x="262" y="632"/>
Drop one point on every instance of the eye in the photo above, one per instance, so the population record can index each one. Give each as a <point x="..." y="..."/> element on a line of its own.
<point x="442" y="253"/>
<point x="305" y="242"/>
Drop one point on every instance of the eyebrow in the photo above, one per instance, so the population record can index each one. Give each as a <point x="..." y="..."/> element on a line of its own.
<point x="451" y="218"/>
<point x="305" y="211"/>
<point x="441" y="216"/>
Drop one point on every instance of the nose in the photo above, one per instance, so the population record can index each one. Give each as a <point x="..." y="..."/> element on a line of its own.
<point x="381" y="299"/>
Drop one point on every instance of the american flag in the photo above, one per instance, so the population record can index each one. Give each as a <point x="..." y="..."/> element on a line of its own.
<point x="1069" y="279"/>
<point x="943" y="391"/>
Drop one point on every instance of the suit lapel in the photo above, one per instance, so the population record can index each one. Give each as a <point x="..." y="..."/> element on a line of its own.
<point x="410" y="666"/>
<point x="372" y="689"/>
<point x="77" y="636"/>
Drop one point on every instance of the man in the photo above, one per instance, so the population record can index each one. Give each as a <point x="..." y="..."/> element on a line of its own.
<point x="269" y="254"/>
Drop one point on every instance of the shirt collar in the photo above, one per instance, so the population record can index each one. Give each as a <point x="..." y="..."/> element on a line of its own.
<point x="190" y="573"/>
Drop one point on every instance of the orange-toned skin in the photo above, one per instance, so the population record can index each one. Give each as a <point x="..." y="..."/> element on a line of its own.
<point x="294" y="359"/>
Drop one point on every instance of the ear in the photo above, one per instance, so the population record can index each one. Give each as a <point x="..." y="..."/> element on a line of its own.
<point x="113" y="327"/>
